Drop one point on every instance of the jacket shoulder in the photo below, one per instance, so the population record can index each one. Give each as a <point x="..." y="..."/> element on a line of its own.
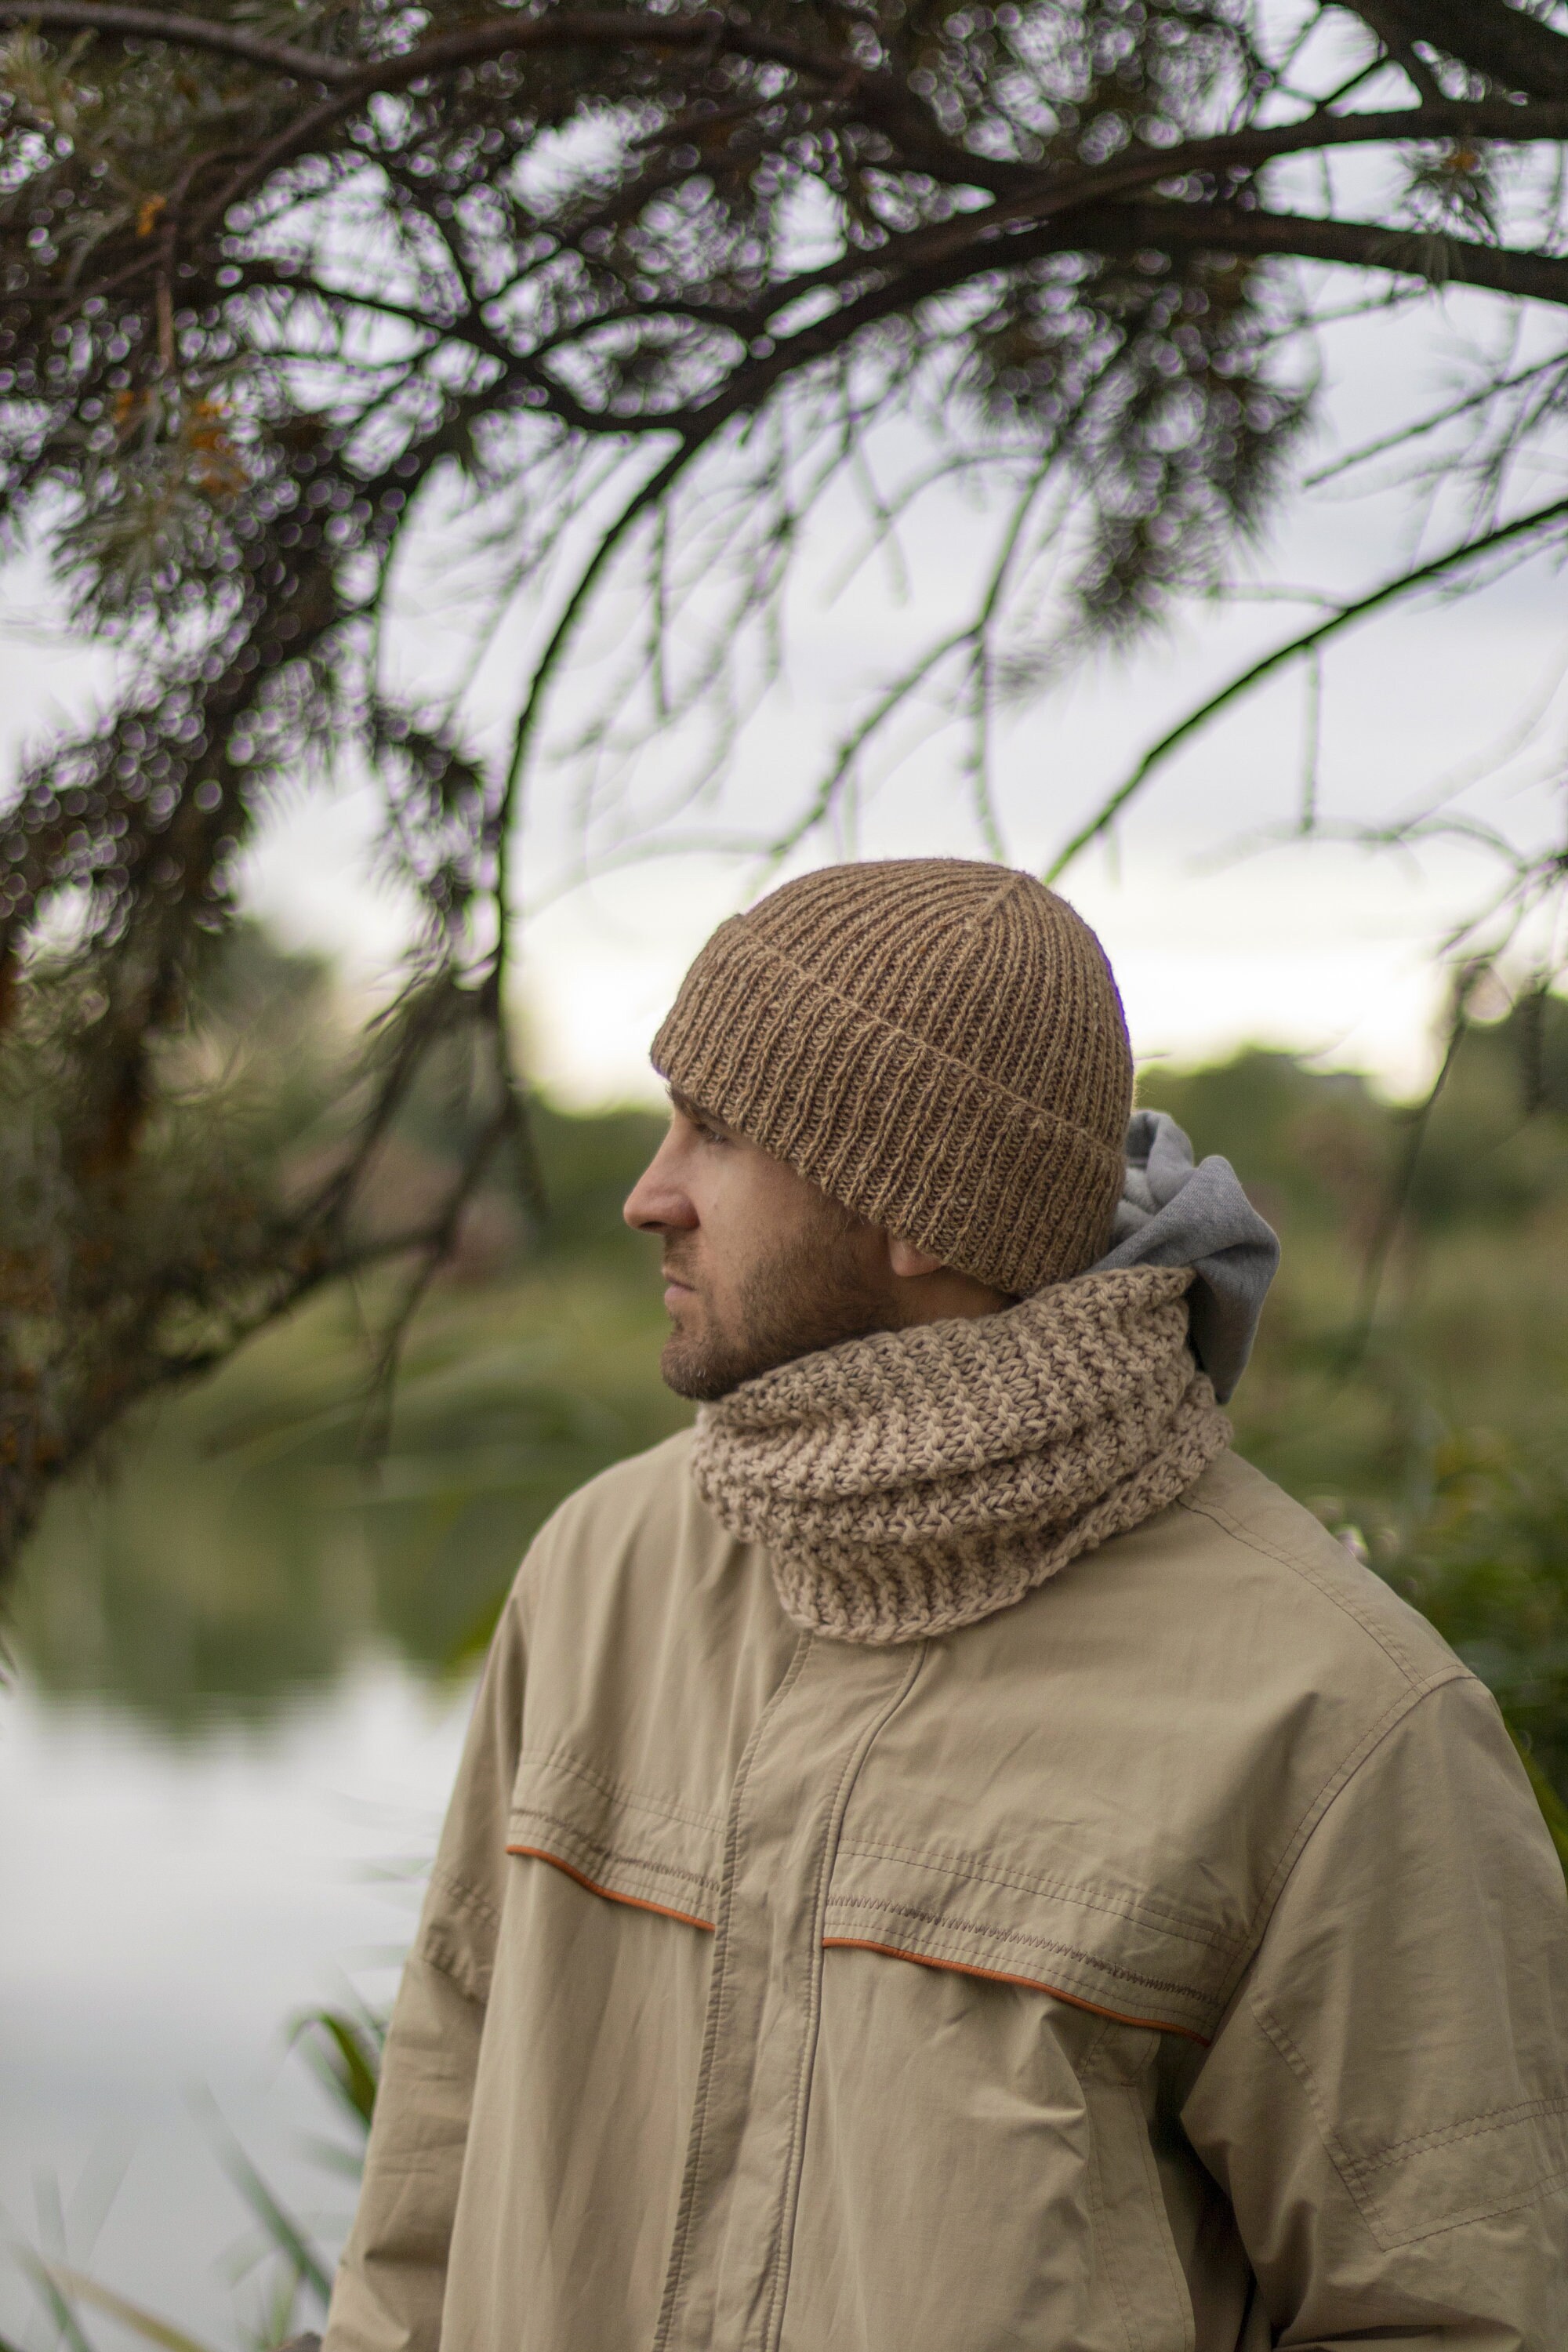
<point x="640" y="1482"/>
<point x="644" y="1499"/>
<point x="1252" y="1528"/>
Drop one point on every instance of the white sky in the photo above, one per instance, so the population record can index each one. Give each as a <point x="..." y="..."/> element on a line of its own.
<point x="1329" y="951"/>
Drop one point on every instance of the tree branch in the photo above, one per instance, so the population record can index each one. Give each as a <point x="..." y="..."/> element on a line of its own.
<point x="1403" y="583"/>
<point x="1505" y="44"/>
<point x="882" y="99"/>
<point x="1361" y="245"/>
<point x="470" y="44"/>
<point x="654" y="488"/>
<point x="184" y="32"/>
<point x="1387" y="442"/>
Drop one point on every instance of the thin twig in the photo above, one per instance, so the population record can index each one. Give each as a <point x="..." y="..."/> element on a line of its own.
<point x="1403" y="583"/>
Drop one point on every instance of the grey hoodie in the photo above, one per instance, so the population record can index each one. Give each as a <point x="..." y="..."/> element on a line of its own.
<point x="1173" y="1212"/>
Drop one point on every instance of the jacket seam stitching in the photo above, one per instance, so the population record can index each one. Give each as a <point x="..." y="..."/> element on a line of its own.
<point x="468" y="1897"/>
<point x="439" y="1948"/>
<point x="1100" y="2227"/>
<point x="961" y="1867"/>
<point x="1543" y="2181"/>
<point x="614" y="1854"/>
<point x="1396" y="2151"/>
<point x="680" y="2242"/>
<point x="1096" y="2049"/>
<point x="1338" y="1780"/>
<point x="1390" y="1646"/>
<point x="1352" y="2170"/>
<point x="665" y="1809"/>
<point x="781" y="2264"/>
<point x="1112" y="2018"/>
<point x="1159" y="2217"/>
<point x="1339" y="2154"/>
<point x="446" y="1965"/>
<point x="951" y="1928"/>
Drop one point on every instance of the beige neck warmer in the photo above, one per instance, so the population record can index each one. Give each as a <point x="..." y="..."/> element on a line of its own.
<point x="918" y="1480"/>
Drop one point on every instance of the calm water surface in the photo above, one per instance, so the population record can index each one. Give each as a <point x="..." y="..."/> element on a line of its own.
<point x="169" y="1904"/>
<point x="246" y="1668"/>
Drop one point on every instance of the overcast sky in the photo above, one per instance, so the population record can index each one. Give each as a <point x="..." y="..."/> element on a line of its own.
<point x="1214" y="941"/>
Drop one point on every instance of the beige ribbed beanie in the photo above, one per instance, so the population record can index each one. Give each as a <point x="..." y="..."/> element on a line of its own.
<point x="938" y="1044"/>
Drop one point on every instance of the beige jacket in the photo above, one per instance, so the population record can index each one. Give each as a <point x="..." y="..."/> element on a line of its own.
<point x="1172" y="1962"/>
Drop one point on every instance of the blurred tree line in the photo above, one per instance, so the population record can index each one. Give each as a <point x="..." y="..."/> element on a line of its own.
<point x="248" y="1547"/>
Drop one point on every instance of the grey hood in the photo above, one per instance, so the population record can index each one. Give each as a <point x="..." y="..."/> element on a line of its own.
<point x="1173" y="1212"/>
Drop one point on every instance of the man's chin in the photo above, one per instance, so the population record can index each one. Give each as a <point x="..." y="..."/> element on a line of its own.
<point x="691" y="1370"/>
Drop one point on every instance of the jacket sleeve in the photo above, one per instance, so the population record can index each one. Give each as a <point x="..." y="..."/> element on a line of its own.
<point x="392" y="2279"/>
<point x="1387" y="2104"/>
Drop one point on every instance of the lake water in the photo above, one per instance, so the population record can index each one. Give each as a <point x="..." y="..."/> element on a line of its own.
<point x="170" y="1902"/>
<point x="246" y="1667"/>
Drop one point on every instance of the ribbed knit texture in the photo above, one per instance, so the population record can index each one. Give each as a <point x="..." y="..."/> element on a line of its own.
<point x="920" y="1480"/>
<point x="938" y="1044"/>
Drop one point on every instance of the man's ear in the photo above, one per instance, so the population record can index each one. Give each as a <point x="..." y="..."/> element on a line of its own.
<point x="905" y="1259"/>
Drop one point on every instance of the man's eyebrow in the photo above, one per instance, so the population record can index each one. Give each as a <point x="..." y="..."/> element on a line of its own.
<point x="694" y="1110"/>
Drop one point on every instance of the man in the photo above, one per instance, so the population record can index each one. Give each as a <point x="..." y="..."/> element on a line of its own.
<point x="947" y="1857"/>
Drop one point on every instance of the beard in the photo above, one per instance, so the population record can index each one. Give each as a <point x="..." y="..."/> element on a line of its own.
<point x="810" y="1293"/>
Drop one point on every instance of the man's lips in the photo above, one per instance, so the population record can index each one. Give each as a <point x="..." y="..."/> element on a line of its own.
<point x="676" y="1288"/>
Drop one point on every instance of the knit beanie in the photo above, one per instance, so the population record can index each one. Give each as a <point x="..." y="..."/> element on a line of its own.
<point x="937" y="1043"/>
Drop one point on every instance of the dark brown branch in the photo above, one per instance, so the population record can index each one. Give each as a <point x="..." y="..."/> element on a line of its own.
<point x="1505" y="44"/>
<point x="433" y="1251"/>
<point x="658" y="483"/>
<point x="1238" y="153"/>
<point x="880" y="97"/>
<point x="472" y="44"/>
<point x="1034" y="198"/>
<point x="184" y="32"/>
<point x="1361" y="245"/>
<point x="1245" y="152"/>
<point x="1115" y="229"/>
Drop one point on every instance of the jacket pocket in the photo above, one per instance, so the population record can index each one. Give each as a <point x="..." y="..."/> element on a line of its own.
<point x="629" y="1845"/>
<point x="1101" y="1947"/>
<point x="1069" y="2074"/>
<point x="977" y="2146"/>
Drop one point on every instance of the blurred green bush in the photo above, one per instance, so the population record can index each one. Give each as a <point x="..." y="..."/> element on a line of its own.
<point x="1423" y="1420"/>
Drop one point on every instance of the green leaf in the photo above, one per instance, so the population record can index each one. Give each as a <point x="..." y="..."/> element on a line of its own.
<point x="145" y="2323"/>
<point x="350" y="2064"/>
<point x="65" y="2318"/>
<point x="280" y="2225"/>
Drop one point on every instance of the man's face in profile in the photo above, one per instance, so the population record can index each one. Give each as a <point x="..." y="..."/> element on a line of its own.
<point x="760" y="1267"/>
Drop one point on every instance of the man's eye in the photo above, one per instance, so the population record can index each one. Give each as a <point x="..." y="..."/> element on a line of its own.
<point x="710" y="1134"/>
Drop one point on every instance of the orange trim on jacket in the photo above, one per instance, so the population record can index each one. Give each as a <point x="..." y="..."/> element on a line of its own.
<point x="634" y="1902"/>
<point x="998" y="1976"/>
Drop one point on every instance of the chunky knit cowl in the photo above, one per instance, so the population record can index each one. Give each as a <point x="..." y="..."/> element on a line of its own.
<point x="915" y="1481"/>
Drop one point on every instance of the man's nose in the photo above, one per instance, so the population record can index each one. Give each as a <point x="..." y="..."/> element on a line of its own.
<point x="658" y="1203"/>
